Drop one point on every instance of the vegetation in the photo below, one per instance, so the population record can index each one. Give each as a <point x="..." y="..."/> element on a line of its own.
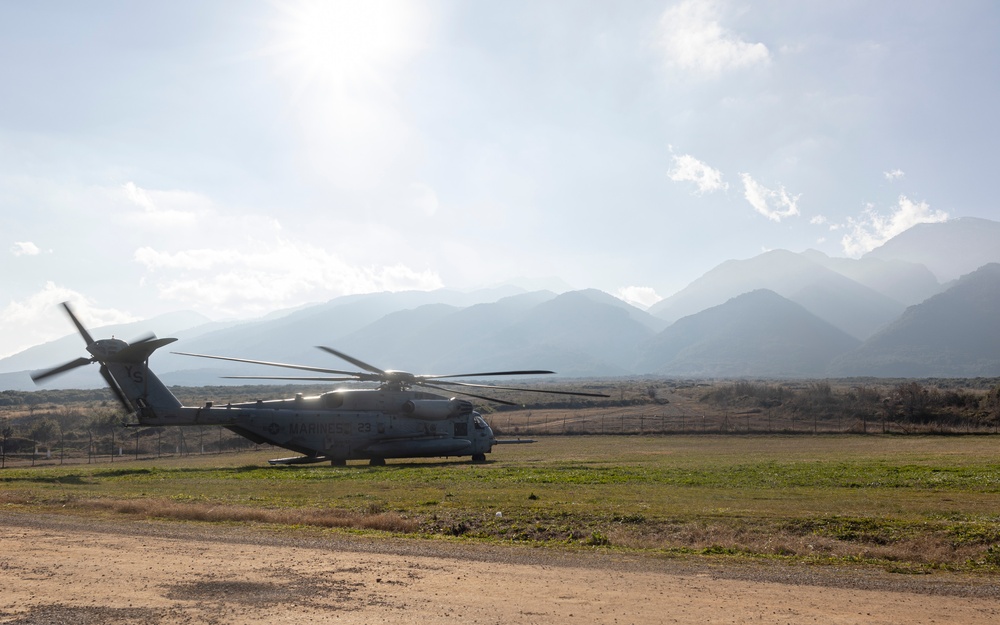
<point x="914" y="504"/>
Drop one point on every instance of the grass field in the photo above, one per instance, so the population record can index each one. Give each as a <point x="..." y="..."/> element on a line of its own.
<point x="906" y="503"/>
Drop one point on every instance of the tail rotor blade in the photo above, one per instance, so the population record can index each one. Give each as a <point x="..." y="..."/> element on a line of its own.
<point x="73" y="364"/>
<point x="117" y="390"/>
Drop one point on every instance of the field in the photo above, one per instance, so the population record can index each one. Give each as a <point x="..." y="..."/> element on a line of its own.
<point x="903" y="504"/>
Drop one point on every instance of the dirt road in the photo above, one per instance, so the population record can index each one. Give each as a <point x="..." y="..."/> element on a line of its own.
<point x="57" y="569"/>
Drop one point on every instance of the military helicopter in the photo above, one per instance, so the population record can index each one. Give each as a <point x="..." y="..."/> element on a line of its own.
<point x="394" y="420"/>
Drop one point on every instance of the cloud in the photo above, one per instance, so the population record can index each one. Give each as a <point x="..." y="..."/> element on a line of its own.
<point x="774" y="205"/>
<point x="872" y="229"/>
<point x="895" y="174"/>
<point x="693" y="41"/>
<point x="261" y="276"/>
<point x="25" y="248"/>
<point x="165" y="208"/>
<point x="689" y="169"/>
<point x="639" y="296"/>
<point x="39" y="318"/>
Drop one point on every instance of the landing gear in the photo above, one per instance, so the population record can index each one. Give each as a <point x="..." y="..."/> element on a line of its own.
<point x="377" y="462"/>
<point x="338" y="463"/>
<point x="478" y="458"/>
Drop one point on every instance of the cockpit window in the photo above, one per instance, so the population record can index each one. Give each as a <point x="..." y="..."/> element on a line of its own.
<point x="480" y="424"/>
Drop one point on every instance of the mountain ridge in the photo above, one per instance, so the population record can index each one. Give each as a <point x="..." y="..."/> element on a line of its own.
<point x="828" y="305"/>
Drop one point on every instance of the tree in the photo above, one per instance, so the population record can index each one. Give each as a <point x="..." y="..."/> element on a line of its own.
<point x="42" y="431"/>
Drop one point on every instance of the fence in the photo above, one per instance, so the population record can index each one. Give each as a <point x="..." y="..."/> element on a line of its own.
<point x="541" y="423"/>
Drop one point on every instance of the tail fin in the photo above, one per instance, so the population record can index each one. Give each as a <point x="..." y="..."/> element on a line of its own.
<point x="128" y="374"/>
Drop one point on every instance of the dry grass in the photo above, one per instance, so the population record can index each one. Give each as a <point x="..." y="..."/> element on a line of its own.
<point x="928" y="549"/>
<point x="227" y="513"/>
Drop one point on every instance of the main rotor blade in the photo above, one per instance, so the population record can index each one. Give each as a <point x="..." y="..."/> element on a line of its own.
<point x="73" y="364"/>
<point x="521" y="388"/>
<point x="288" y="377"/>
<point x="485" y="374"/>
<point x="356" y="374"/>
<point x="354" y="361"/>
<point x="79" y="326"/>
<point x="468" y="394"/>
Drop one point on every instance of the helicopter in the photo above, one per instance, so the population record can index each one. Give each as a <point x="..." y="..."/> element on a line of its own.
<point x="397" y="419"/>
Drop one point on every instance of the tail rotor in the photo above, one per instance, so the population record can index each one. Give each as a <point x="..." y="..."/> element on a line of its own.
<point x="105" y="352"/>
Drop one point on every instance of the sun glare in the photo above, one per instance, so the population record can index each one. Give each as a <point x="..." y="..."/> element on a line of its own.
<point x="343" y="45"/>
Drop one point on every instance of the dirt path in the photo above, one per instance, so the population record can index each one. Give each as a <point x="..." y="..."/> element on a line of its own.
<point x="70" y="570"/>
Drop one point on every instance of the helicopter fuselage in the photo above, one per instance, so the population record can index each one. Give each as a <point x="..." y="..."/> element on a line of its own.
<point x="349" y="424"/>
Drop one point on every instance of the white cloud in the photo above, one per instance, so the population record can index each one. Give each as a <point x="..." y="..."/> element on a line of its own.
<point x="25" y="248"/>
<point x="775" y="205"/>
<point x="689" y="169"/>
<point x="165" y="208"/>
<point x="818" y="220"/>
<point x="895" y="174"/>
<point x="693" y="40"/>
<point x="639" y="296"/>
<point x="260" y="276"/>
<point x="40" y="318"/>
<point x="872" y="229"/>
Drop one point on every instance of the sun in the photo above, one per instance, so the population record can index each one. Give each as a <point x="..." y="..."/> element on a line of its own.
<point x="343" y="45"/>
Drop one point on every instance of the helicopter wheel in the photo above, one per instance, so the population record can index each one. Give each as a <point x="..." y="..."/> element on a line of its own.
<point x="377" y="462"/>
<point x="479" y="458"/>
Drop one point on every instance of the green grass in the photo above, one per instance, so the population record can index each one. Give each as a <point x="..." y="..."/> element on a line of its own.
<point x="904" y="503"/>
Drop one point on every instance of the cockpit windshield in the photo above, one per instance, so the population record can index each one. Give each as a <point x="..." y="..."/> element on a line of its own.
<point x="480" y="424"/>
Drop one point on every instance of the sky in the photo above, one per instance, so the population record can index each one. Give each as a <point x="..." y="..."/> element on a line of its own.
<point x="237" y="157"/>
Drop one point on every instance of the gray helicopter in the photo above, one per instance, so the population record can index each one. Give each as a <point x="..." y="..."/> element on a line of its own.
<point x="394" y="420"/>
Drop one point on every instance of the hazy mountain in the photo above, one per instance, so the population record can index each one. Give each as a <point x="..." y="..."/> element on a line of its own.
<point x="755" y="334"/>
<point x="445" y="344"/>
<point x="327" y="323"/>
<point x="579" y="333"/>
<point x="905" y="282"/>
<point x="576" y="333"/>
<point x="284" y="337"/>
<point x="949" y="249"/>
<point x="782" y="329"/>
<point x="831" y="296"/>
<point x="954" y="333"/>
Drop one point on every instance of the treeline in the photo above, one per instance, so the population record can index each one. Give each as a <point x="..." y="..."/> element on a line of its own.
<point x="904" y="402"/>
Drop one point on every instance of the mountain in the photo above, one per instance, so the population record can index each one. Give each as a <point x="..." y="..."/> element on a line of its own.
<point x="905" y="282"/>
<point x="445" y="343"/>
<point x="777" y="314"/>
<point x="949" y="249"/>
<point x="954" y="333"/>
<point x="577" y="333"/>
<point x="755" y="334"/>
<point x="831" y="296"/>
